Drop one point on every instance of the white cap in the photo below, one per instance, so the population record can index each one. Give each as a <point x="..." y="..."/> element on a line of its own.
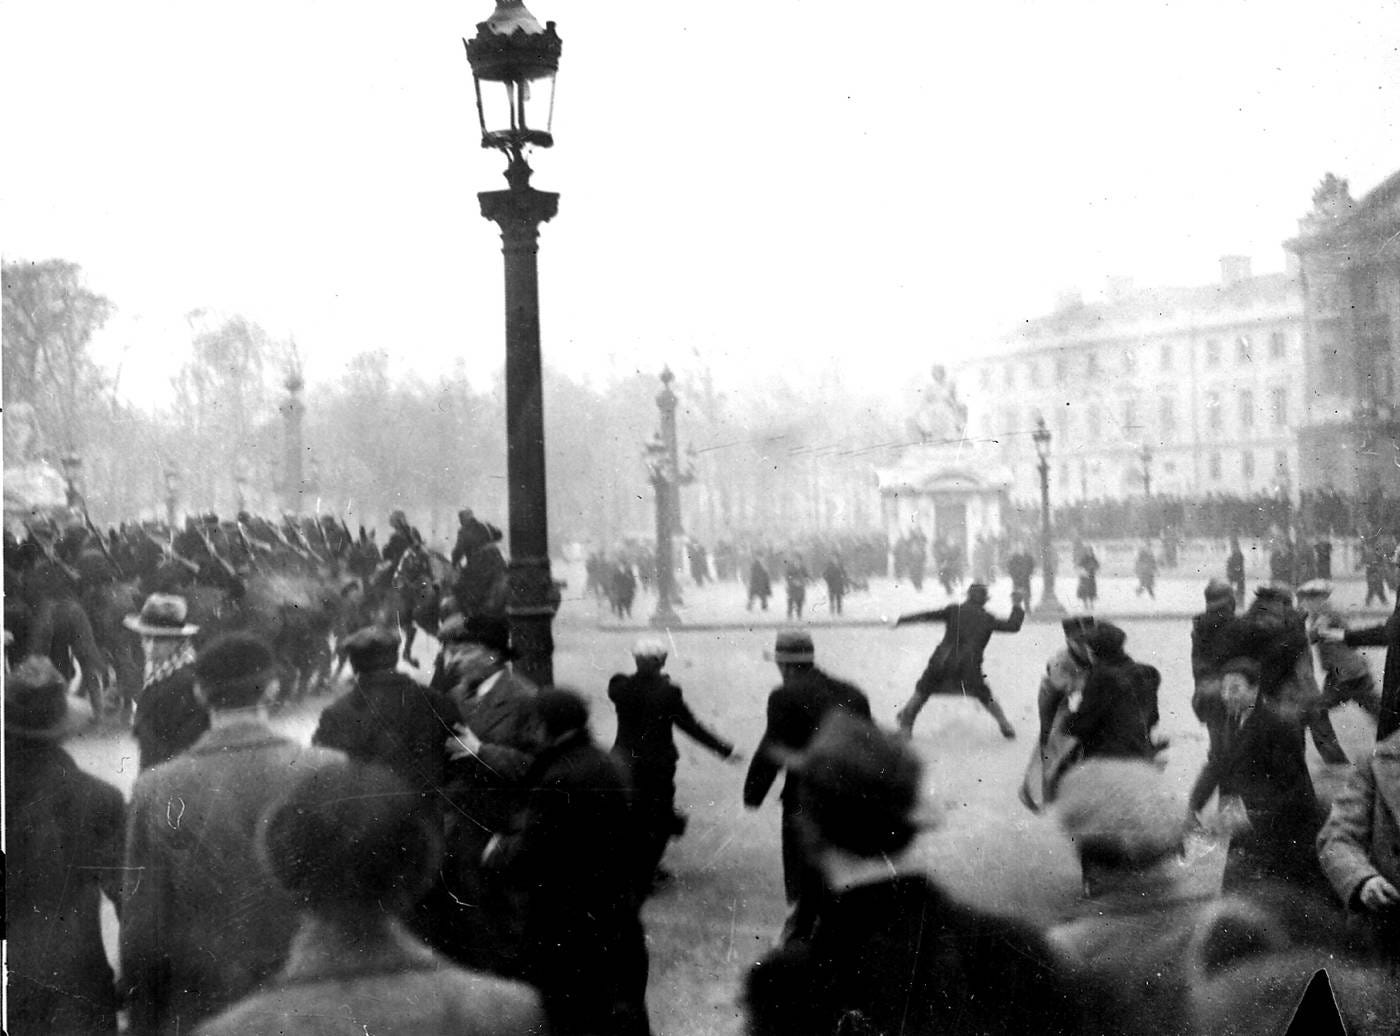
<point x="650" y="647"/>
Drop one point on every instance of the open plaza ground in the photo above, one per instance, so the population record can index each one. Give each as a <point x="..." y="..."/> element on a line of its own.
<point x="725" y="907"/>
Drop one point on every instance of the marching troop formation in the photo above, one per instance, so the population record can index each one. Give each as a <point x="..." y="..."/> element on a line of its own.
<point x="461" y="855"/>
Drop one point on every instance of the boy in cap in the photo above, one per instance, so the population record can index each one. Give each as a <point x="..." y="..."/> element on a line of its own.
<point x="893" y="953"/>
<point x="201" y="924"/>
<point x="795" y="709"/>
<point x="649" y="707"/>
<point x="63" y="835"/>
<point x="1342" y="672"/>
<point x="955" y="667"/>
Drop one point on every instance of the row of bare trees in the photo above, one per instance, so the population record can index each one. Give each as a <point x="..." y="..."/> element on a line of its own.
<point x="771" y="455"/>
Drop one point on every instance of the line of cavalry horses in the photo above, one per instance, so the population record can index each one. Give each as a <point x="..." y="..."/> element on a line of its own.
<point x="302" y="584"/>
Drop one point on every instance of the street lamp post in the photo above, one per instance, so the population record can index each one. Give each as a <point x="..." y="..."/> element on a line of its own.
<point x="1049" y="603"/>
<point x="514" y="61"/>
<point x="172" y="496"/>
<point x="72" y="472"/>
<point x="666" y="476"/>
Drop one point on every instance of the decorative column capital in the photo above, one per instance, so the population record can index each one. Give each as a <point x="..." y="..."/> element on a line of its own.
<point x="519" y="210"/>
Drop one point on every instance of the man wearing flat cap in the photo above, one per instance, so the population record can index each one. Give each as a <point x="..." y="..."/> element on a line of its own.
<point x="649" y="708"/>
<point x="955" y="667"/>
<point x="63" y="835"/>
<point x="1341" y="671"/>
<point x="795" y="709"/>
<point x="490" y="748"/>
<point x="202" y="924"/>
<point x="893" y="953"/>
<point x="388" y="718"/>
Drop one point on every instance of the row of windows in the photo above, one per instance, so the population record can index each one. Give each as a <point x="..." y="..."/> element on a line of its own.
<point x="1246" y="349"/>
<point x="1216" y="468"/>
<point x="1094" y="421"/>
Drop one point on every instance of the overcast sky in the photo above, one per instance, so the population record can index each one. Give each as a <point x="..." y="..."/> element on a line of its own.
<point x="780" y="186"/>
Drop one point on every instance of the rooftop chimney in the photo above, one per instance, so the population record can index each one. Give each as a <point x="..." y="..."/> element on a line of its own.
<point x="1233" y="269"/>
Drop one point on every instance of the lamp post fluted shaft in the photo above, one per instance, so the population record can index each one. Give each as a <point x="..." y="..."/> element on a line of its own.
<point x="532" y="597"/>
<point x="666" y="479"/>
<point x="1049" y="603"/>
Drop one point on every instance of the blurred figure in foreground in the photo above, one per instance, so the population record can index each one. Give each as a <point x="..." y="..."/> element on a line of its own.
<point x="353" y="850"/>
<point x="63" y="836"/>
<point x="893" y="954"/>
<point x="584" y="947"/>
<point x="1341" y="671"/>
<point x="649" y="707"/>
<point x="1061" y="690"/>
<point x="1359" y="847"/>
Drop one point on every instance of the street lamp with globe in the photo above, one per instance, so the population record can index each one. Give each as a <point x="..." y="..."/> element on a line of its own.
<point x="513" y="61"/>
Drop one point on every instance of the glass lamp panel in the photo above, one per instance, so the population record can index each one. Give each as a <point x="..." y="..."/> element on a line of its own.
<point x="498" y="108"/>
<point x="537" y="103"/>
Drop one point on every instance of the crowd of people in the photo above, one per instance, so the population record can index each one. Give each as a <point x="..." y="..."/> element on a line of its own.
<point x="461" y="855"/>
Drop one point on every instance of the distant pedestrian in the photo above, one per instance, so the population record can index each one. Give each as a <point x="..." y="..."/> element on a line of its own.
<point x="760" y="585"/>
<point x="1374" y="561"/>
<point x="623" y="586"/>
<point x="955" y="667"/>
<point x="350" y="849"/>
<point x="837" y="582"/>
<point x="1322" y="558"/>
<point x="649" y="707"/>
<point x="795" y="578"/>
<point x="1146" y="570"/>
<point x="894" y="953"/>
<point x="1087" y="563"/>
<point x="63" y="836"/>
<point x="795" y="710"/>
<point x="201" y="924"/>
<point x="1234" y="568"/>
<point x="1019" y="566"/>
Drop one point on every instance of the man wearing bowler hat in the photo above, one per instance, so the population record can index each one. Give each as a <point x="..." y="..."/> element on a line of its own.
<point x="490" y="748"/>
<point x="63" y="834"/>
<point x="955" y="666"/>
<point x="795" y="709"/>
<point x="168" y="716"/>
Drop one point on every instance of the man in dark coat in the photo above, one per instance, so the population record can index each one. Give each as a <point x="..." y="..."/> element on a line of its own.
<point x="63" y="834"/>
<point x="1019" y="567"/>
<point x="388" y="718"/>
<point x="795" y="578"/>
<point x="169" y="718"/>
<point x="1386" y="635"/>
<point x="1234" y="568"/>
<point x="893" y="953"/>
<point x="760" y="585"/>
<point x="471" y="917"/>
<point x="472" y="533"/>
<point x="649" y="706"/>
<point x="1210" y="650"/>
<point x="1119" y="709"/>
<point x="955" y="666"/>
<point x="795" y="710"/>
<point x="836" y="583"/>
<point x="584" y="947"/>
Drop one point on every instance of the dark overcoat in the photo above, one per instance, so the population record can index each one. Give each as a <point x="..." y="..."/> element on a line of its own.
<point x="899" y="958"/>
<point x="583" y="943"/>
<point x="956" y="664"/>
<point x="169" y="719"/>
<point x="649" y="708"/>
<point x="1119" y="709"/>
<point x="63" y="834"/>
<point x="390" y="719"/>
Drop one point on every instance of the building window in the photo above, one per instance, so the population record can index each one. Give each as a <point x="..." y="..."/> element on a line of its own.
<point x="1215" y="467"/>
<point x="1094" y="424"/>
<point x="1008" y="375"/>
<point x="1166" y="415"/>
<point x="1035" y="373"/>
<point x="1247" y="464"/>
<point x="1278" y="345"/>
<point x="985" y="377"/>
<point x="1278" y="404"/>
<point x="1129" y="415"/>
<point x="1061" y="370"/>
<point x="1091" y="365"/>
<point x="1281" y="463"/>
<point x="1243" y="348"/>
<point x="1246" y="409"/>
<point x="1215" y="418"/>
<point x="1212" y="352"/>
<point x="1062" y="421"/>
<point x="1129" y="361"/>
<point x="1166" y="357"/>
